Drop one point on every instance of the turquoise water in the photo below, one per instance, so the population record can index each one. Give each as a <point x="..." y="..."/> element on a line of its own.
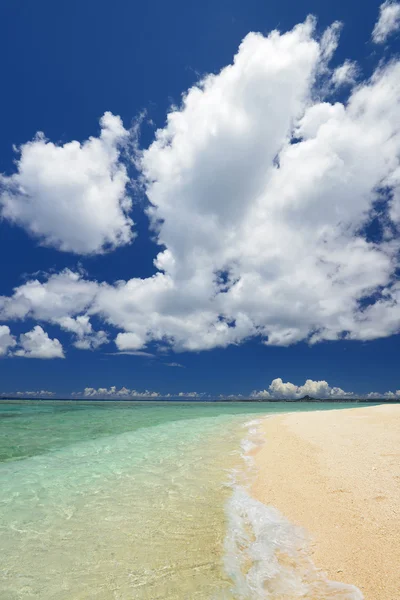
<point x="118" y="501"/>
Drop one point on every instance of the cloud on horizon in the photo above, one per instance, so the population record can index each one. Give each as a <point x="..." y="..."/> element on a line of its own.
<point x="28" y="394"/>
<point x="316" y="389"/>
<point x="126" y="393"/>
<point x="277" y="390"/>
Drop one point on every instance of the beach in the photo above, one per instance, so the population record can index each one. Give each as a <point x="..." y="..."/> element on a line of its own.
<point x="337" y="475"/>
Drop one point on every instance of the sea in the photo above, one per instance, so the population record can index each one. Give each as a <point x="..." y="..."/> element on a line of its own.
<point x="145" y="501"/>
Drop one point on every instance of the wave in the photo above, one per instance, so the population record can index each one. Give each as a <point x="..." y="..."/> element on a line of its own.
<point x="266" y="556"/>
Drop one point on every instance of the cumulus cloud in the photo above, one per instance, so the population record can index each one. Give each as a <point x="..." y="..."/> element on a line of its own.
<point x="316" y="389"/>
<point x="388" y="22"/>
<point x="126" y="393"/>
<point x="37" y="344"/>
<point x="113" y="392"/>
<point x="64" y="294"/>
<point x="72" y="196"/>
<point x="129" y="341"/>
<point x="7" y="340"/>
<point x="277" y="390"/>
<point x="34" y="394"/>
<point x="387" y="395"/>
<point x="85" y="337"/>
<point x="260" y="193"/>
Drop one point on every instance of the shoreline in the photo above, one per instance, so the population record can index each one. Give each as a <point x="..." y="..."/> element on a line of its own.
<point x="337" y="475"/>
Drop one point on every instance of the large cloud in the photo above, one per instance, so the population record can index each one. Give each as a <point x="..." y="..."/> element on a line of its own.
<point x="388" y="22"/>
<point x="260" y="194"/>
<point x="73" y="196"/>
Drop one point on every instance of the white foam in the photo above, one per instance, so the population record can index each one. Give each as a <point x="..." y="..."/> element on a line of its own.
<point x="266" y="556"/>
<point x="252" y="423"/>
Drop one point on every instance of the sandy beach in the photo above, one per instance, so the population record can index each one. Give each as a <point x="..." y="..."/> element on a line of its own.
<point x="337" y="474"/>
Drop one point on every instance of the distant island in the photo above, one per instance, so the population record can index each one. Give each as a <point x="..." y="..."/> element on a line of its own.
<point x="330" y="400"/>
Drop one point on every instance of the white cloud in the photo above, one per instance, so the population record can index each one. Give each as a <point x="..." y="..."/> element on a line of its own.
<point x="113" y="392"/>
<point x="345" y="74"/>
<point x="85" y="337"/>
<point x="388" y="22"/>
<point x="277" y="390"/>
<point x="37" y="344"/>
<point x="63" y="294"/>
<point x="373" y="395"/>
<point x="126" y="393"/>
<point x="72" y="196"/>
<point x="316" y="389"/>
<point x="129" y="341"/>
<point x="259" y="194"/>
<point x="329" y="40"/>
<point x="388" y="395"/>
<point x="33" y="394"/>
<point x="132" y="353"/>
<point x="7" y="340"/>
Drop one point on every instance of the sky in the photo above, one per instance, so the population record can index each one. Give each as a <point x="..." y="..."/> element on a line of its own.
<point x="200" y="200"/>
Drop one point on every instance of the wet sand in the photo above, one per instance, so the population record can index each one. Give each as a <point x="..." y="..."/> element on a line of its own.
<point x="337" y="474"/>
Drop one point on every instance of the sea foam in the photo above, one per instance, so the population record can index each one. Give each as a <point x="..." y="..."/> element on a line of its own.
<point x="266" y="556"/>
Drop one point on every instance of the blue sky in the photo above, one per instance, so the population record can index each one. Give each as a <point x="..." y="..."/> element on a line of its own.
<point x="273" y="263"/>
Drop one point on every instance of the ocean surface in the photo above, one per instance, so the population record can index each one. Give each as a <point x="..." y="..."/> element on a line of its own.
<point x="144" y="501"/>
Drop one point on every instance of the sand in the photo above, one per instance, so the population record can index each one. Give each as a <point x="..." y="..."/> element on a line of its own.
<point x="337" y="474"/>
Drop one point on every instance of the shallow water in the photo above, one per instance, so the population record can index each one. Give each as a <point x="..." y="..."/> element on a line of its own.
<point x="118" y="501"/>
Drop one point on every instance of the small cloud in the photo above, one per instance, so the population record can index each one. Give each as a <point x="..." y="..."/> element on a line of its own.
<point x="132" y="353"/>
<point x="113" y="392"/>
<point x="192" y="395"/>
<point x="33" y="394"/>
<point x="384" y="395"/>
<point x="28" y="394"/>
<point x="7" y="340"/>
<point x="130" y="341"/>
<point x="174" y="364"/>
<point x="37" y="344"/>
<point x="85" y="337"/>
<point x="388" y="22"/>
<point x="346" y="74"/>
